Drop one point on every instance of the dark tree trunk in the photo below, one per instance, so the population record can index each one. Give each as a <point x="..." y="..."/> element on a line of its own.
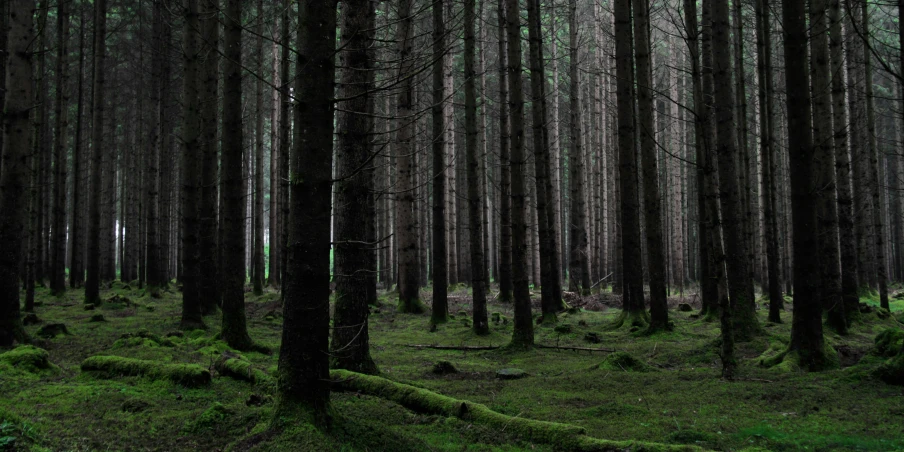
<point x="523" y="333"/>
<point x="659" y="309"/>
<point x="191" y="169"/>
<point x="353" y="263"/>
<point x="76" y="270"/>
<point x="232" y="242"/>
<point x="92" y="285"/>
<point x="58" y="251"/>
<point x="304" y="387"/>
<point x="632" y="266"/>
<point x="439" y="255"/>
<point x="17" y="144"/>
<point x="257" y="275"/>
<point x="579" y="263"/>
<point x="154" y="262"/>
<point x="806" y="328"/>
<point x="505" y="169"/>
<point x="208" y="289"/>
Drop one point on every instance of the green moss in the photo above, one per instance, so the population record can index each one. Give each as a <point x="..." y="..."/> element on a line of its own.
<point x="892" y="371"/>
<point x="790" y="361"/>
<point x="209" y="419"/>
<point x="29" y="359"/>
<point x="235" y="366"/>
<point x="624" y="362"/>
<point x="889" y="342"/>
<point x="185" y="374"/>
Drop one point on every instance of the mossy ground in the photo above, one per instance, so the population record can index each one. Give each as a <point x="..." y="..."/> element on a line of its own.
<point x="681" y="401"/>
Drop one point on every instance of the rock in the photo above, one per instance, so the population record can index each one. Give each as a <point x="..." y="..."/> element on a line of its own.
<point x="510" y="374"/>
<point x="97" y="318"/>
<point x="52" y="330"/>
<point x="684" y="307"/>
<point x="89" y="307"/>
<point x="563" y="328"/>
<point x="443" y="368"/>
<point x="593" y="338"/>
<point x="31" y="318"/>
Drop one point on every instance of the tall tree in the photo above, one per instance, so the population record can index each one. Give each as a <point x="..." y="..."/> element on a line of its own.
<point x="478" y="265"/>
<point x="579" y="262"/>
<point x="154" y="261"/>
<point x="17" y="144"/>
<point x="523" y="333"/>
<point x="632" y="266"/>
<point x="743" y="304"/>
<point x="76" y="271"/>
<point x="659" y="309"/>
<point x="806" y="329"/>
<point x="232" y="241"/>
<point x="505" y="170"/>
<point x="409" y="288"/>
<point x="191" y="168"/>
<point x="353" y="264"/>
<point x="824" y="153"/>
<point x="547" y="224"/>
<point x="304" y="387"/>
<point x="257" y="253"/>
<point x="92" y="285"/>
<point x="439" y="254"/>
<point x="208" y="289"/>
<point x="58" y="252"/>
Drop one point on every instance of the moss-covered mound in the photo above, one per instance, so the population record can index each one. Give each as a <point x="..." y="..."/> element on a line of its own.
<point x="889" y="342"/>
<point x="27" y="358"/>
<point x="185" y="374"/>
<point x="624" y="362"/>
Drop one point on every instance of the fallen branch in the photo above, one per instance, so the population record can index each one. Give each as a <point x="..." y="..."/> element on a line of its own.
<point x="564" y="436"/>
<point x="456" y="347"/>
<point x="604" y="278"/>
<point x="586" y="349"/>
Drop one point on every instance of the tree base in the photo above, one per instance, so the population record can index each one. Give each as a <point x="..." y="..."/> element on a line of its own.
<point x="791" y="361"/>
<point x="412" y="306"/>
<point x="631" y="319"/>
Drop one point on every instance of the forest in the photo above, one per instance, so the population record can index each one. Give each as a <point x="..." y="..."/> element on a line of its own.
<point x="452" y="225"/>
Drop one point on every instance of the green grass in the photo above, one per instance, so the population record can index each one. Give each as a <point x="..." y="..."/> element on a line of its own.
<point x="679" y="400"/>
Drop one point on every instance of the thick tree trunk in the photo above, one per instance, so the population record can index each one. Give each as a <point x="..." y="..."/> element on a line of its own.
<point x="824" y="153"/>
<point x="208" y="288"/>
<point x="551" y="285"/>
<point x="406" y="226"/>
<point x="92" y="285"/>
<point x="523" y="333"/>
<point x="285" y="140"/>
<point x="17" y="144"/>
<point x="475" y="223"/>
<point x="232" y="240"/>
<point x="659" y="310"/>
<point x="351" y="342"/>
<point x="155" y="267"/>
<point x="304" y="386"/>
<point x="632" y="267"/>
<point x="191" y="169"/>
<point x="767" y="151"/>
<point x="579" y="263"/>
<point x="76" y="270"/>
<point x="806" y="329"/>
<point x="58" y="252"/>
<point x="257" y="276"/>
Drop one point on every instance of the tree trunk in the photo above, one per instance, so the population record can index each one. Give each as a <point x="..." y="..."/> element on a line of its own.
<point x="806" y="329"/>
<point x="208" y="288"/>
<point x="351" y="342"/>
<point x="257" y="277"/>
<point x="232" y="240"/>
<point x="58" y="253"/>
<point x="76" y="270"/>
<point x="824" y="153"/>
<point x="17" y="143"/>
<point x="285" y="140"/>
<point x="191" y="169"/>
<point x="659" y="309"/>
<point x="632" y="267"/>
<point x="505" y="169"/>
<point x="92" y="285"/>
<point x="304" y="386"/>
<point x="579" y="263"/>
<point x="523" y="333"/>
<point x="439" y="254"/>
<point x="406" y="226"/>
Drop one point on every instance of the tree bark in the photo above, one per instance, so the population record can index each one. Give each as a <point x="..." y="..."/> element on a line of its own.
<point x="17" y="143"/>
<point x="92" y="285"/>
<point x="304" y="387"/>
<point x="257" y="276"/>
<point x="58" y="253"/>
<point x="439" y="254"/>
<point x="209" y="289"/>
<point x="505" y="169"/>
<point x="579" y="263"/>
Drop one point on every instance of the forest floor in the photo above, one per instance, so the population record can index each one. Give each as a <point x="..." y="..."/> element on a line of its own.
<point x="670" y="393"/>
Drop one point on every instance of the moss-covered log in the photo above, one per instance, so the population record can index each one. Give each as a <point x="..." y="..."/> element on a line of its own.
<point x="565" y="436"/>
<point x="234" y="366"/>
<point x="184" y="374"/>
